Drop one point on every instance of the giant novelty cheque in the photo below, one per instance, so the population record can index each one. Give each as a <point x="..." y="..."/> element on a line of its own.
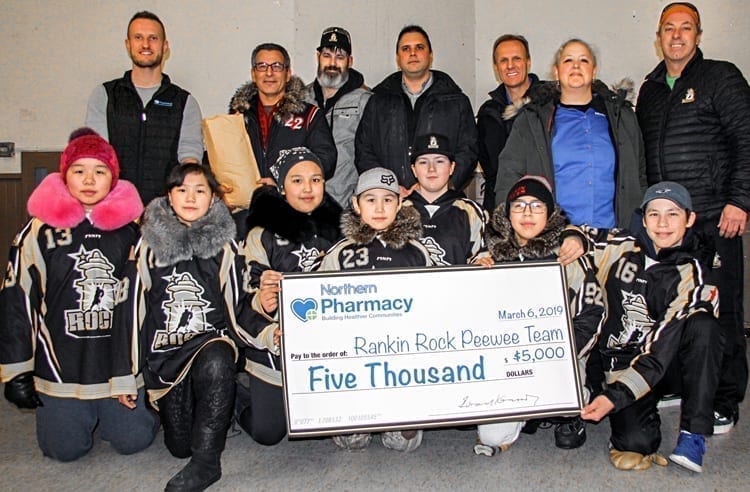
<point x="418" y="348"/>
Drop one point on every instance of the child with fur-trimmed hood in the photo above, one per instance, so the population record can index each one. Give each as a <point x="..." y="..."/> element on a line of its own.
<point x="530" y="226"/>
<point x="290" y="225"/>
<point x="57" y="306"/>
<point x="185" y="327"/>
<point x="378" y="233"/>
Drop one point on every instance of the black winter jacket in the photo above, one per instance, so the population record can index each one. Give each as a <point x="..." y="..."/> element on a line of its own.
<point x="295" y="124"/>
<point x="389" y="124"/>
<point x="699" y="133"/>
<point x="493" y="129"/>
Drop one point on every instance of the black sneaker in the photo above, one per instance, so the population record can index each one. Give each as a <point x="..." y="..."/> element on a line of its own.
<point x="570" y="434"/>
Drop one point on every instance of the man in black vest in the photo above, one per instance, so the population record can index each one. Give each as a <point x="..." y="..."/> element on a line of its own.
<point x="152" y="123"/>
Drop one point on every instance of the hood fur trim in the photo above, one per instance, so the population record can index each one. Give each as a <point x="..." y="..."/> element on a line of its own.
<point x="52" y="203"/>
<point x="172" y="241"/>
<point x="268" y="209"/>
<point x="503" y="246"/>
<point x="293" y="101"/>
<point x="406" y="227"/>
<point x="543" y="93"/>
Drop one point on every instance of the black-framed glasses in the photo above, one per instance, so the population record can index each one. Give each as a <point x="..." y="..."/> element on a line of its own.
<point x="275" y="67"/>
<point x="519" y="207"/>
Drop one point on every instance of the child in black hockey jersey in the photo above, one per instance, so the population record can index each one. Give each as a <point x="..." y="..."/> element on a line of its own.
<point x="453" y="225"/>
<point x="189" y="302"/>
<point x="530" y="226"/>
<point x="289" y="225"/>
<point x="661" y="335"/>
<point x="379" y="233"/>
<point x="57" y="304"/>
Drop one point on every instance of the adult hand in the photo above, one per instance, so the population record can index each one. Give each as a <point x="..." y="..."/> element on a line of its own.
<point x="732" y="222"/>
<point x="21" y="391"/>
<point x="597" y="409"/>
<point x="127" y="400"/>
<point x="570" y="251"/>
<point x="269" y="290"/>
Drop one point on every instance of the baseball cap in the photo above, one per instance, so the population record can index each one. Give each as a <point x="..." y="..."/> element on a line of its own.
<point x="669" y="190"/>
<point x="431" y="143"/>
<point x="336" y="37"/>
<point x="377" y="178"/>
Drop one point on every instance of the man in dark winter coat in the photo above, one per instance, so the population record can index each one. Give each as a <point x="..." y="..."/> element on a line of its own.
<point x="415" y="101"/>
<point x="276" y="114"/>
<point x="152" y="123"/>
<point x="511" y="61"/>
<point x="340" y="91"/>
<point x="695" y="117"/>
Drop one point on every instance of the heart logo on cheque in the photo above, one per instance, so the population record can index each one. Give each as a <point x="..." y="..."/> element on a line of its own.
<point x="305" y="309"/>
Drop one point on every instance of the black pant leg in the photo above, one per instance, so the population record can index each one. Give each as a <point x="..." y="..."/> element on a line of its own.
<point x="176" y="413"/>
<point x="637" y="427"/>
<point x="260" y="409"/>
<point x="213" y="382"/>
<point x="728" y="277"/>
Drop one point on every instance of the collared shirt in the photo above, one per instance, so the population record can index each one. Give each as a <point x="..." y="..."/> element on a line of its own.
<point x="413" y="96"/>
<point x="584" y="160"/>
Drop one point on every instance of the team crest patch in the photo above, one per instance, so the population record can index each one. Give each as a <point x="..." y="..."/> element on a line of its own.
<point x="185" y="310"/>
<point x="636" y="323"/>
<point x="307" y="257"/>
<point x="689" y="96"/>
<point x="97" y="289"/>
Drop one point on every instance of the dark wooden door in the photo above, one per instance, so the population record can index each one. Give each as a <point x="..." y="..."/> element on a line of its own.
<point x="15" y="190"/>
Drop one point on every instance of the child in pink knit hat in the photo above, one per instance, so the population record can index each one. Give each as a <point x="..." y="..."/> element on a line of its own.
<point x="57" y="304"/>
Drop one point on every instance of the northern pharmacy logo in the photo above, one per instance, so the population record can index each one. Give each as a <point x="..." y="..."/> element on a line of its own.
<point x="97" y="290"/>
<point x="186" y="312"/>
<point x="338" y="302"/>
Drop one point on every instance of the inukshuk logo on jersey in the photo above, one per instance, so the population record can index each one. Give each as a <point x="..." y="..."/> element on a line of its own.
<point x="186" y="312"/>
<point x="96" y="288"/>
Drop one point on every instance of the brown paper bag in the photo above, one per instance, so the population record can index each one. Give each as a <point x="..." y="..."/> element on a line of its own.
<point x="232" y="158"/>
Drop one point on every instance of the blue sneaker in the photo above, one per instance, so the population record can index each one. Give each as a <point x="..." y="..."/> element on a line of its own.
<point x="689" y="451"/>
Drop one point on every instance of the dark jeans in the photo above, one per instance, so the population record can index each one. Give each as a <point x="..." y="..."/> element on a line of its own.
<point x="693" y="373"/>
<point x="260" y="409"/>
<point x="65" y="426"/>
<point x="729" y="279"/>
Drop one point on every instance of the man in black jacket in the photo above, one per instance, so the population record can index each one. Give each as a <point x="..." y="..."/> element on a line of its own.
<point x="695" y="118"/>
<point x="415" y="101"/>
<point x="152" y="123"/>
<point x="276" y="114"/>
<point x="511" y="61"/>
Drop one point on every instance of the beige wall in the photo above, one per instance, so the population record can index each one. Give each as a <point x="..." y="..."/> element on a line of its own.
<point x="55" y="52"/>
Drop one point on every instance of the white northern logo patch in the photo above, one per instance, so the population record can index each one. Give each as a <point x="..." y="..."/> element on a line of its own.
<point x="97" y="290"/>
<point x="636" y="323"/>
<point x="186" y="312"/>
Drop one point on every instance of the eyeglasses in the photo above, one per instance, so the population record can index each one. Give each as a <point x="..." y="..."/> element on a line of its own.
<point x="519" y="207"/>
<point x="275" y="66"/>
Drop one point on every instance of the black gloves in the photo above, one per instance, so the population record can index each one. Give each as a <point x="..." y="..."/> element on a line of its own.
<point x="20" y="391"/>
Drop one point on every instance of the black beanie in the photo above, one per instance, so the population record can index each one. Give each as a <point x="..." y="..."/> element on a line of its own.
<point x="536" y="186"/>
